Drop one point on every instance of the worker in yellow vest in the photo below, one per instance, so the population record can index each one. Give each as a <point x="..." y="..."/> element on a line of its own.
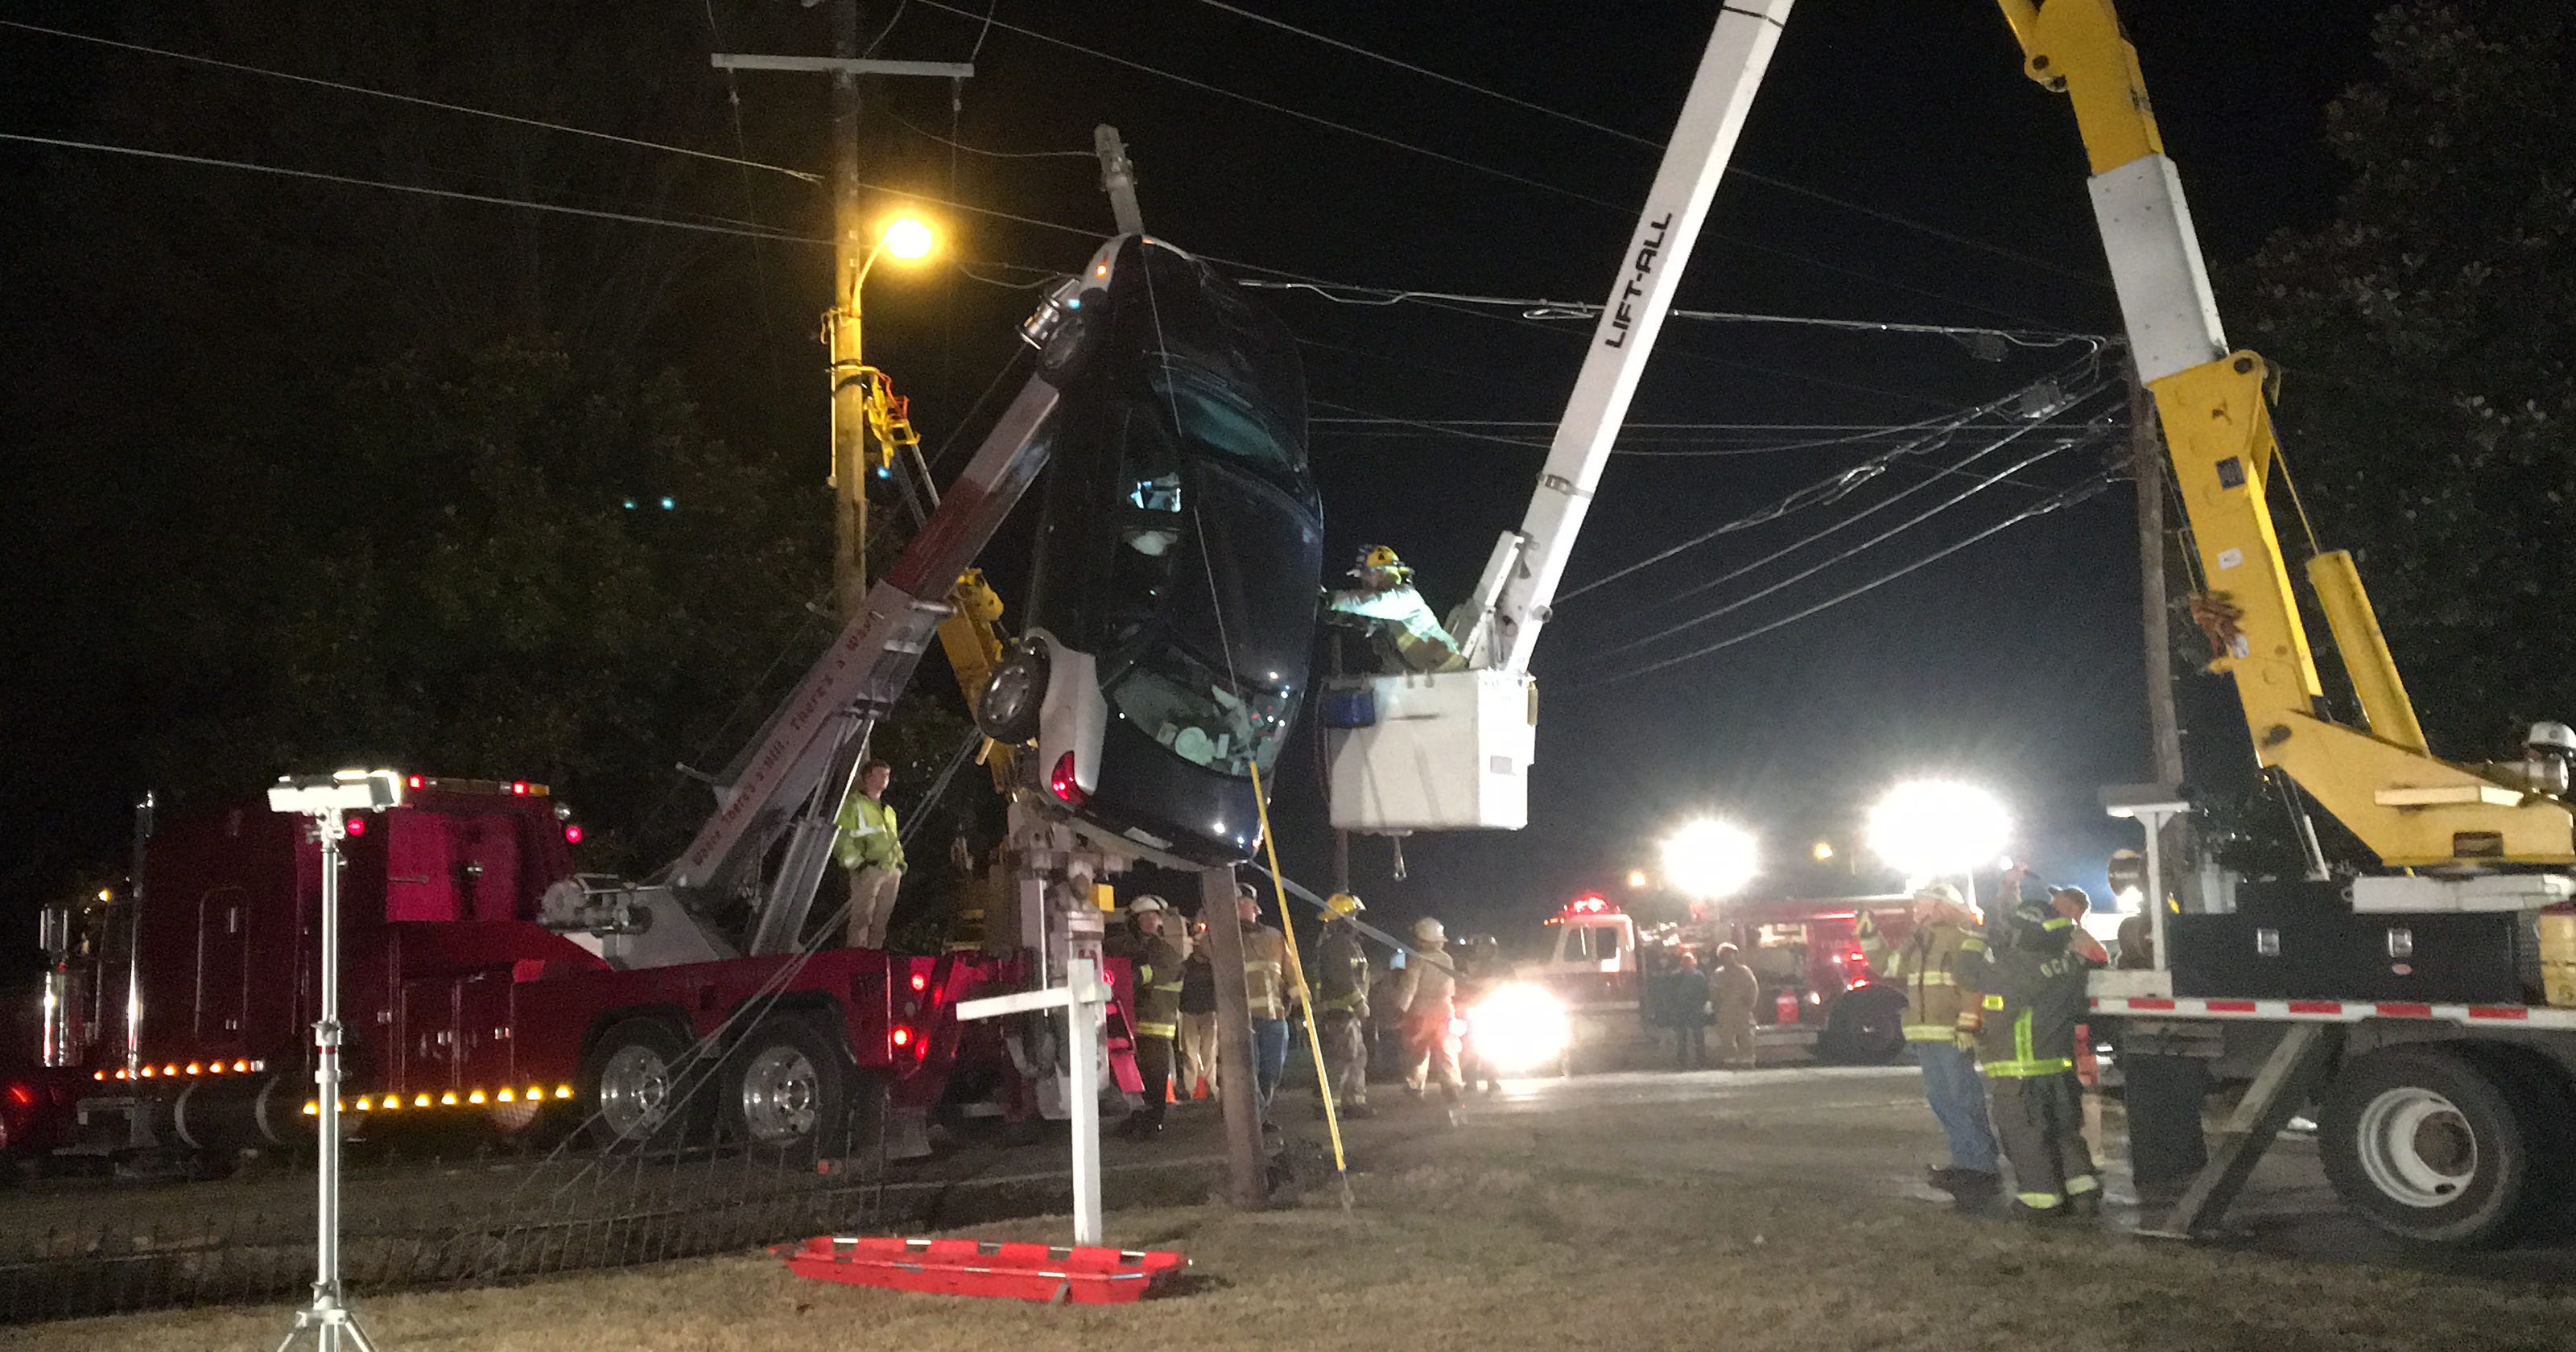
<point x="871" y="847"/>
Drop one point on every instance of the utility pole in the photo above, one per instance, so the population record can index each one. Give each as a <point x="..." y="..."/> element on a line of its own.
<point x="1248" y="1183"/>
<point x="852" y="253"/>
<point x="2147" y="455"/>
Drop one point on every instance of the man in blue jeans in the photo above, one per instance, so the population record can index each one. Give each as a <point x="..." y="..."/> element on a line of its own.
<point x="1273" y="990"/>
<point x="1937" y="968"/>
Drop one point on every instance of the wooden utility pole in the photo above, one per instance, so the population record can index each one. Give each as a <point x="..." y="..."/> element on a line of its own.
<point x="850" y="250"/>
<point x="1248" y="1183"/>
<point x="2147" y="453"/>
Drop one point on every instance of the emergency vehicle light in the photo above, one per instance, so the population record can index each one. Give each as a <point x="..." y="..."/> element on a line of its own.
<point x="902" y="1037"/>
<point x="920" y="982"/>
<point x="1590" y="903"/>
<point x="572" y="833"/>
<point x="356" y="826"/>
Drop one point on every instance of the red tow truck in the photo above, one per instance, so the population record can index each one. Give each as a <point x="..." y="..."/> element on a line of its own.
<point x="486" y="974"/>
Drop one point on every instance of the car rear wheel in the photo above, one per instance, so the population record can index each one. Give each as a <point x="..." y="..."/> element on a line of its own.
<point x="2428" y="1144"/>
<point x="1008" y="709"/>
<point x="1866" y="1028"/>
<point x="642" y="1087"/>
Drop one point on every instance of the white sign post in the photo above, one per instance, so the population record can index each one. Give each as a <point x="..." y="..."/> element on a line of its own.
<point x="1082" y="998"/>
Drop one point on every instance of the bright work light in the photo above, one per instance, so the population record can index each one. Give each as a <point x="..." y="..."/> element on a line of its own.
<point x="1930" y="828"/>
<point x="1707" y="859"/>
<point x="908" y="237"/>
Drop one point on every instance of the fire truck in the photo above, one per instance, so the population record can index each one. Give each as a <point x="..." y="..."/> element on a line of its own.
<point x="1818" y="992"/>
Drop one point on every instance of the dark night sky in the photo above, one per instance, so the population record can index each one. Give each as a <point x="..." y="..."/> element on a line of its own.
<point x="2013" y="662"/>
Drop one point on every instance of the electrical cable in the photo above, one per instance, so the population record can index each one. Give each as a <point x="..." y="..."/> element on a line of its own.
<point x="634" y="218"/>
<point x="468" y="109"/>
<point x="1634" y="139"/>
<point x="1811" y="570"/>
<point x="907" y="125"/>
<point x="1833" y="486"/>
<point x="1534" y="308"/>
<point x="2068" y="497"/>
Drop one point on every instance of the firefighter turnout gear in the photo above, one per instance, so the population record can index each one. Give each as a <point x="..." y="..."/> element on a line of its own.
<point x="1385" y="606"/>
<point x="1159" y="966"/>
<point x="1936" y="969"/>
<point x="2032" y="997"/>
<point x="1735" y="993"/>
<point x="1427" y="992"/>
<point x="1342" y="977"/>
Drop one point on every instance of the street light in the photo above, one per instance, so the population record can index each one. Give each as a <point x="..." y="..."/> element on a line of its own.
<point x="1636" y="877"/>
<point x="908" y="238"/>
<point x="1706" y="859"/>
<point x="1931" y="828"/>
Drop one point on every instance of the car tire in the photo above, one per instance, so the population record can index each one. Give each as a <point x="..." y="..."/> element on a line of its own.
<point x="787" y="1091"/>
<point x="1071" y="349"/>
<point x="643" y="1088"/>
<point x="1866" y="1028"/>
<point x="1007" y="710"/>
<point x="2426" y="1142"/>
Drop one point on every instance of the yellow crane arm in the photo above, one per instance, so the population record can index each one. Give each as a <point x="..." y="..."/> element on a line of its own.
<point x="2405" y="804"/>
<point x="972" y="639"/>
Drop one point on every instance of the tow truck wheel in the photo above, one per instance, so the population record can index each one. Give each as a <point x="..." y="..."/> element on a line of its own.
<point x="638" y="1084"/>
<point x="788" y="1088"/>
<point x="1866" y="1028"/>
<point x="2426" y="1143"/>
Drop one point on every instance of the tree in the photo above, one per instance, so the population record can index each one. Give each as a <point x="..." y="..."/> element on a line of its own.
<point x="2427" y="334"/>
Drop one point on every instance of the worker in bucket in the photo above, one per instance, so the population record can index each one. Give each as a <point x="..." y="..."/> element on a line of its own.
<point x="871" y="847"/>
<point x="1937" y="969"/>
<point x="1385" y="606"/>
<point x="1427" y="992"/>
<point x="2031" y="998"/>
<point x="1342" y="976"/>
<point x="1158" y="965"/>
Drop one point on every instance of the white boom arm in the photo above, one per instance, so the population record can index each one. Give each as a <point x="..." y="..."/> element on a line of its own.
<point x="1524" y="571"/>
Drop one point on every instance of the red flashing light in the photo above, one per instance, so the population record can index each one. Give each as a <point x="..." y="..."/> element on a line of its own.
<point x="414" y="782"/>
<point x="519" y="787"/>
<point x="902" y="1037"/>
<point x="920" y="982"/>
<point x="357" y="826"/>
<point x="21" y="1095"/>
<point x="1591" y="903"/>
<point x="1062" y="784"/>
<point x="572" y="833"/>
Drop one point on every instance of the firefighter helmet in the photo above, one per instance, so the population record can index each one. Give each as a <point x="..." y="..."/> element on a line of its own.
<point x="1381" y="559"/>
<point x="1939" y="892"/>
<point x="1429" y="930"/>
<point x="1344" y="904"/>
<point x="1148" y="904"/>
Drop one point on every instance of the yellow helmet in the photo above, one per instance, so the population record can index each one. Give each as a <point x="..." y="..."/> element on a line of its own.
<point x="1344" y="904"/>
<point x="1379" y="556"/>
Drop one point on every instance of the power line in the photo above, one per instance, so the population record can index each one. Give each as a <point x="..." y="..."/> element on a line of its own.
<point x="486" y="199"/>
<point x="2067" y="497"/>
<point x="469" y="110"/>
<point x="1872" y="542"/>
<point x="1833" y="486"/>
<point x="1634" y="139"/>
<point x="953" y="144"/>
<point x="1541" y="309"/>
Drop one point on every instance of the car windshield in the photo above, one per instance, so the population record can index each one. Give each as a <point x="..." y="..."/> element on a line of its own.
<point x="1217" y="415"/>
<point x="1188" y="708"/>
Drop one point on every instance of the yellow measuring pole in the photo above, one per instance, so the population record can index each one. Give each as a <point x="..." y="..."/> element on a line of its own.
<point x="1297" y="968"/>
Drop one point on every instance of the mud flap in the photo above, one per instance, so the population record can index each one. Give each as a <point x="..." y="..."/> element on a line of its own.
<point x="907" y="1134"/>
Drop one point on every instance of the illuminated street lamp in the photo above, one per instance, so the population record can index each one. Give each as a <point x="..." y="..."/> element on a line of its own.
<point x="1707" y="859"/>
<point x="907" y="238"/>
<point x="1636" y="877"/>
<point x="1934" y="828"/>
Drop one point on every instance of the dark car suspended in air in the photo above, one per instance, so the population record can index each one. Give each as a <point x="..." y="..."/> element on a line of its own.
<point x="1171" y="616"/>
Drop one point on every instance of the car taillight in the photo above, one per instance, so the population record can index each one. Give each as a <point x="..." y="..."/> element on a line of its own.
<point x="920" y="981"/>
<point x="519" y="787"/>
<point x="412" y="781"/>
<point x="572" y="833"/>
<point x="1062" y="784"/>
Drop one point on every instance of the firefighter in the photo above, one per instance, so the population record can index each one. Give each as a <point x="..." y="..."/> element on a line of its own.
<point x="871" y="847"/>
<point x="1427" y="992"/>
<point x="1159" y="962"/>
<point x="1678" y="999"/>
<point x="2074" y="903"/>
<point x="1384" y="605"/>
<point x="1342" y="976"/>
<point x="1736" y="994"/>
<point x="2031" y="997"/>
<point x="1272" y="991"/>
<point x="1937" y="969"/>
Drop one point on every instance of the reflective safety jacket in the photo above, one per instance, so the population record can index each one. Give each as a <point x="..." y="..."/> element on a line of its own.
<point x="1270" y="984"/>
<point x="2032" y="998"/>
<point x="1937" y="967"/>
<point x="1342" y="974"/>
<point x="1427" y="988"/>
<point x="1158" y="988"/>
<point x="868" y="838"/>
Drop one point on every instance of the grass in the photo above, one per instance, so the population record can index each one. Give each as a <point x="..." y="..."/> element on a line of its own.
<point x="1474" y="1243"/>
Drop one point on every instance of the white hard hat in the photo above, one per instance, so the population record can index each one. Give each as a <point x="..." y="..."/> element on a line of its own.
<point x="1939" y="892"/>
<point x="2555" y="736"/>
<point x="1429" y="931"/>
<point x="1148" y="905"/>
